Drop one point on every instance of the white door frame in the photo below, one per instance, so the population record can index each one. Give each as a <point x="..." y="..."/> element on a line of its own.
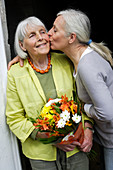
<point x="9" y="151"/>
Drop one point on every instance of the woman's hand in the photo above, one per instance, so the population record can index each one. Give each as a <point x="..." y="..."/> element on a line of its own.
<point x="67" y="148"/>
<point x="88" y="141"/>
<point x="16" y="60"/>
<point x="42" y="135"/>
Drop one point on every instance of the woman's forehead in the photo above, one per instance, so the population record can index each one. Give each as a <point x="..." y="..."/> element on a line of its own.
<point x="34" y="27"/>
<point x="59" y="22"/>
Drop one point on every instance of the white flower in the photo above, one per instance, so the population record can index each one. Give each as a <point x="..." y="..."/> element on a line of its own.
<point x="65" y="115"/>
<point x="76" y="118"/>
<point x="52" y="101"/>
<point x="61" y="123"/>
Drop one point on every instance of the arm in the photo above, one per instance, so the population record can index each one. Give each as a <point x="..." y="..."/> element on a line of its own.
<point x="93" y="80"/>
<point x="15" y="60"/>
<point x="88" y="132"/>
<point x="36" y="134"/>
<point x="68" y="147"/>
<point x="88" y="138"/>
<point x="15" y="112"/>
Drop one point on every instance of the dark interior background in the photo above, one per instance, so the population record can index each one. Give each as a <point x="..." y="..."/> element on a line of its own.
<point x="98" y="11"/>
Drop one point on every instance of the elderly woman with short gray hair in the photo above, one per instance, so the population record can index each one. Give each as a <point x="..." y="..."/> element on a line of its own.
<point x="43" y="76"/>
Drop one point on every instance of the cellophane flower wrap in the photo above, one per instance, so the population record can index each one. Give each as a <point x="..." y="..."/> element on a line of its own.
<point x="61" y="119"/>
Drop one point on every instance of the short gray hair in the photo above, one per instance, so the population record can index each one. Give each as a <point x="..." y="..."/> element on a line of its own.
<point x="21" y="32"/>
<point x="77" y="22"/>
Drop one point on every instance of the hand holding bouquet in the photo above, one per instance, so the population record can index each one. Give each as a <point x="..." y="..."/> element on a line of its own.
<point x="61" y="120"/>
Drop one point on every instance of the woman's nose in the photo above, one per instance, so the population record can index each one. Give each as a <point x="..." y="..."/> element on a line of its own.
<point x="39" y="37"/>
<point x="50" y="32"/>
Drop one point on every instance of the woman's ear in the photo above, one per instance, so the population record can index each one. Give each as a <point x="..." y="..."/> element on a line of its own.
<point x="72" y="38"/>
<point x="22" y="47"/>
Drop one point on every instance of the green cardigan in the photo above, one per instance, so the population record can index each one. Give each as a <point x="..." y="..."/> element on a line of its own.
<point x="25" y="98"/>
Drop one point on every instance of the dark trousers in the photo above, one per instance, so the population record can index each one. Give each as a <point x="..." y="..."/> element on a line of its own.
<point x="78" y="161"/>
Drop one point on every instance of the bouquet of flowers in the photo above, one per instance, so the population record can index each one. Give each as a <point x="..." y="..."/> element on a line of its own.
<point x="61" y="119"/>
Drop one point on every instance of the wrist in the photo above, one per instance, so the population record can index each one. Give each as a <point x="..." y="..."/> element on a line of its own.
<point x="90" y="128"/>
<point x="34" y="134"/>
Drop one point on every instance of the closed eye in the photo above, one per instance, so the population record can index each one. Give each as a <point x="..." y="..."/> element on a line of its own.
<point x="32" y="35"/>
<point x="54" y="28"/>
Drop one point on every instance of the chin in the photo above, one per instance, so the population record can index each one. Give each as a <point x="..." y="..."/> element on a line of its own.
<point x="53" y="47"/>
<point x="43" y="51"/>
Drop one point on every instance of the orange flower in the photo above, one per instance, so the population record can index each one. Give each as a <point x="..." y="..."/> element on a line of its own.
<point x="57" y="134"/>
<point x="75" y="107"/>
<point x="45" y="127"/>
<point x="64" y="107"/>
<point x="64" y="99"/>
<point x="39" y="122"/>
<point x="46" y="119"/>
<point x="58" y="116"/>
<point x="50" y="99"/>
<point x="55" y="118"/>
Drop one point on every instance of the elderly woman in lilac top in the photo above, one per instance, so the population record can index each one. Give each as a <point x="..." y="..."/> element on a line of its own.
<point x="31" y="39"/>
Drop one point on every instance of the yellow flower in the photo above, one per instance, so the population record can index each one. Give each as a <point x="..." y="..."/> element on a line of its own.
<point x="72" y="109"/>
<point x="68" y="123"/>
<point x="45" y="110"/>
<point x="49" y="116"/>
<point x="52" y="111"/>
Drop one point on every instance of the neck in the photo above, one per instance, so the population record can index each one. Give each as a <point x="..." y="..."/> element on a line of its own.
<point x="40" y="61"/>
<point x="74" y="52"/>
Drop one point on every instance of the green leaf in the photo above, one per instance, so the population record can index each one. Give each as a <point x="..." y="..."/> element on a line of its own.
<point x="32" y="120"/>
<point x="58" y="110"/>
<point x="48" y="140"/>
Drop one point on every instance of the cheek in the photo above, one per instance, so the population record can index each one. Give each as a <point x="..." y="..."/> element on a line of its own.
<point x="59" y="44"/>
<point x="58" y="40"/>
<point x="47" y="38"/>
<point x="28" y="44"/>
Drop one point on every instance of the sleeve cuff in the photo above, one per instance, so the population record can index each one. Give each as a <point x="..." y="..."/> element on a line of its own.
<point x="33" y="134"/>
<point x="87" y="108"/>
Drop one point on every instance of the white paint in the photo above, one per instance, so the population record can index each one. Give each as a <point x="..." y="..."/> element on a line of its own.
<point x="9" y="153"/>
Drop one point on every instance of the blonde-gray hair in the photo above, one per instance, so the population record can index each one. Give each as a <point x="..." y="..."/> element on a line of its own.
<point x="21" y="33"/>
<point x="78" y="22"/>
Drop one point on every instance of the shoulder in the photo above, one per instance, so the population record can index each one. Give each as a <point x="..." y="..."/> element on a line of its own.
<point x="16" y="70"/>
<point x="58" y="56"/>
<point x="90" y="58"/>
<point x="94" y="67"/>
<point x="61" y="58"/>
<point x="92" y="62"/>
<point x="93" y="59"/>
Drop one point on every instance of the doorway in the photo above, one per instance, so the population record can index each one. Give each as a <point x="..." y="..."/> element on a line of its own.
<point x="99" y="15"/>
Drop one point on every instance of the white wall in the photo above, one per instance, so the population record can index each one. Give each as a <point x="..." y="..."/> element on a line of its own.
<point x="9" y="154"/>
